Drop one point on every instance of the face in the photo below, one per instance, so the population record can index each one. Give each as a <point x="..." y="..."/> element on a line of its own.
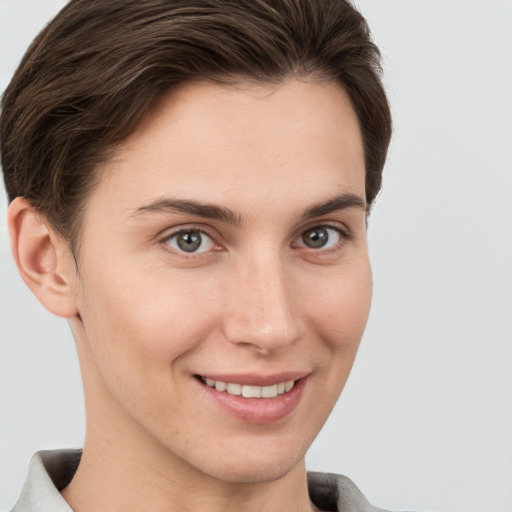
<point x="224" y="278"/>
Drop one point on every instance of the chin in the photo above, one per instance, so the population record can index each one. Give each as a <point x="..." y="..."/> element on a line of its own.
<point x="248" y="472"/>
<point x="258" y="464"/>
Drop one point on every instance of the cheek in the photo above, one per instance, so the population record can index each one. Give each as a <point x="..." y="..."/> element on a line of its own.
<point x="143" y="323"/>
<point x="138" y="334"/>
<point x="340" y="314"/>
<point x="341" y="307"/>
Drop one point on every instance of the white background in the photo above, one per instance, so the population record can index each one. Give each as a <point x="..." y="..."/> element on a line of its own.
<point x="425" y="422"/>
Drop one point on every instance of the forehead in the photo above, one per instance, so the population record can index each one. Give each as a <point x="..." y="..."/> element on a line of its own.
<point x="247" y="115"/>
<point x="214" y="142"/>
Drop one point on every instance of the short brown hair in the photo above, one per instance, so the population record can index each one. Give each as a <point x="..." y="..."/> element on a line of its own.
<point x="92" y="74"/>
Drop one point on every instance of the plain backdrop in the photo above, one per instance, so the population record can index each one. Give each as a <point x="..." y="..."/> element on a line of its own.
<point x="425" y="421"/>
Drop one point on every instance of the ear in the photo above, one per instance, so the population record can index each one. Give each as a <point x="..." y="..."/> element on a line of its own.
<point x="43" y="258"/>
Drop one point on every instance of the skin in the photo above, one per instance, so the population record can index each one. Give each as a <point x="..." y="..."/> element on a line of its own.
<point x="148" y="317"/>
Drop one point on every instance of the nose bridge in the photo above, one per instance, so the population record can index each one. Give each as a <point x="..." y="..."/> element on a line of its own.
<point x="262" y="310"/>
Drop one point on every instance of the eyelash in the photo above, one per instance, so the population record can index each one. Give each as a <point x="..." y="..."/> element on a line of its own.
<point x="344" y="236"/>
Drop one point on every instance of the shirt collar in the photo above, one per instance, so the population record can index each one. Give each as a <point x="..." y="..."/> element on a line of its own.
<point x="49" y="471"/>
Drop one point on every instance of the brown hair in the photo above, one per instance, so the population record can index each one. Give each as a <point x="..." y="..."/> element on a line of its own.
<point x="92" y="74"/>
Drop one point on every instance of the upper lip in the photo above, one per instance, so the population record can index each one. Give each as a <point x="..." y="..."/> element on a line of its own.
<point x="253" y="379"/>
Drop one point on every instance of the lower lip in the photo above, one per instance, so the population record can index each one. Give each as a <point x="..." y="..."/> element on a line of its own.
<point x="258" y="410"/>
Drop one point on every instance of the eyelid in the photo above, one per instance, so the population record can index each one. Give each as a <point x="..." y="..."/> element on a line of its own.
<point x="340" y="227"/>
<point x="170" y="231"/>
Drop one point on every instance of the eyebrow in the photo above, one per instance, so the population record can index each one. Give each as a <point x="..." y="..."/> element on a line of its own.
<point x="205" y="210"/>
<point x="221" y="213"/>
<point x="341" y="202"/>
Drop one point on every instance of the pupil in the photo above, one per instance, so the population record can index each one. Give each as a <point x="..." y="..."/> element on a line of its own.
<point x="189" y="242"/>
<point x="315" y="238"/>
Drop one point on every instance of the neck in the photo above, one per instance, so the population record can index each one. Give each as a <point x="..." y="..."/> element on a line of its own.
<point x="125" y="479"/>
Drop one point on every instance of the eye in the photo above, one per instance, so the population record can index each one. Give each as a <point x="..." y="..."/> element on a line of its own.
<point x="320" y="237"/>
<point x="190" y="241"/>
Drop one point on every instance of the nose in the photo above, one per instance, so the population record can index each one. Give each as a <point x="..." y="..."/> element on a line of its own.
<point x="262" y="311"/>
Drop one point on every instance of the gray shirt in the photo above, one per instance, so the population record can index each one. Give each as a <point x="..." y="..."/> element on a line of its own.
<point x="51" y="471"/>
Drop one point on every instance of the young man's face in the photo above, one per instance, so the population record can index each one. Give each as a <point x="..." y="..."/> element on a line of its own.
<point x="225" y="244"/>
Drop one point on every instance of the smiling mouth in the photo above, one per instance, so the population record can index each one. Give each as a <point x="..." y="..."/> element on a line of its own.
<point x="247" y="391"/>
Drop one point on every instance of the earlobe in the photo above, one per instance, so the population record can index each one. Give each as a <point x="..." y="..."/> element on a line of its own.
<point x="43" y="259"/>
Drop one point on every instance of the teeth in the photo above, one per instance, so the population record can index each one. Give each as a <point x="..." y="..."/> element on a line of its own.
<point x="250" y="391"/>
<point x="234" y="389"/>
<point x="220" y="386"/>
<point x="269" y="391"/>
